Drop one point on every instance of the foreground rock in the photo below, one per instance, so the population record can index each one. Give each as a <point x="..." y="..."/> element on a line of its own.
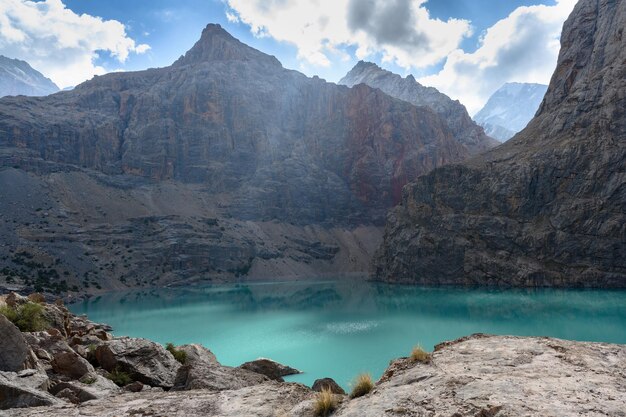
<point x="271" y="399"/>
<point x="503" y="376"/>
<point x="13" y="347"/>
<point x="144" y="361"/>
<point x="269" y="368"/>
<point x="547" y="207"/>
<point x="202" y="371"/>
<point x="24" y="390"/>
<point x="479" y="375"/>
<point x="327" y="384"/>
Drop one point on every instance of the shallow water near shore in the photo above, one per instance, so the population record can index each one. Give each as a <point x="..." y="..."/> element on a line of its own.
<point x="339" y="329"/>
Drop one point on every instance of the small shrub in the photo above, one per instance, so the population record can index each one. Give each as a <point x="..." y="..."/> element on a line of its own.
<point x="420" y="355"/>
<point x="27" y="317"/>
<point x="325" y="403"/>
<point x="89" y="380"/>
<point x="119" y="377"/>
<point x="179" y="355"/>
<point x="362" y="385"/>
<point x="37" y="298"/>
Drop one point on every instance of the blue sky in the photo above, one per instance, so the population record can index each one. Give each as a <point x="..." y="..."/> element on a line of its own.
<point x="453" y="45"/>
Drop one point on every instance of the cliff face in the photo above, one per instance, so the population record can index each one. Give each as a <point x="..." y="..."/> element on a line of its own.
<point x="17" y="77"/>
<point x="549" y="206"/>
<point x="454" y="114"/>
<point x="223" y="164"/>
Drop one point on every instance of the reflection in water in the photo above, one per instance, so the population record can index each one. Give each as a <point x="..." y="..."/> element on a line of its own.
<point x="339" y="329"/>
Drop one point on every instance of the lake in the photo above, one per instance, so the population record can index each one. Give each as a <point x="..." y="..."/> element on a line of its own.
<point x="339" y="329"/>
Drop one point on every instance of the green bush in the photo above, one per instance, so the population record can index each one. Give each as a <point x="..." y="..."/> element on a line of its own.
<point x="362" y="385"/>
<point x="179" y="355"/>
<point x="325" y="403"/>
<point x="119" y="377"/>
<point x="27" y="317"/>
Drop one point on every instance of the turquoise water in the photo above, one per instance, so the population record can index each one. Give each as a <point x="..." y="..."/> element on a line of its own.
<point x="339" y="329"/>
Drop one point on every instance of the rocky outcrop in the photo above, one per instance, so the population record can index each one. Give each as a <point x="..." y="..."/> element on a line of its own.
<point x="547" y="208"/>
<point x="473" y="376"/>
<point x="269" y="368"/>
<point x="19" y="78"/>
<point x="510" y="108"/>
<point x="502" y="376"/>
<point x="13" y="347"/>
<point x="201" y="370"/>
<point x="24" y="390"/>
<point x="452" y="112"/>
<point x="144" y="361"/>
<point x="138" y="176"/>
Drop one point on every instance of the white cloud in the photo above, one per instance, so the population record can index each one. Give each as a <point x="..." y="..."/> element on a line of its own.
<point x="401" y="30"/>
<point x="523" y="47"/>
<point x="60" y="43"/>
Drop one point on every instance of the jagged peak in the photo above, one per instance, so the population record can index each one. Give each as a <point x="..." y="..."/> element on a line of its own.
<point x="216" y="44"/>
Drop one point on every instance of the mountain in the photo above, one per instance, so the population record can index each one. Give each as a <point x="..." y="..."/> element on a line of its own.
<point x="510" y="109"/>
<point x="222" y="165"/>
<point x="548" y="207"/>
<point x="19" y="78"/>
<point x="408" y="89"/>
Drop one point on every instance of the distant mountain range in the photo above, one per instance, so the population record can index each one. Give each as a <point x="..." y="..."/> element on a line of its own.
<point x="510" y="108"/>
<point x="19" y="78"/>
<point x="455" y="115"/>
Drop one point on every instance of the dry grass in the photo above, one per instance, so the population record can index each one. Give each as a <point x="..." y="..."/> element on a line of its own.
<point x="325" y="403"/>
<point x="420" y="355"/>
<point x="362" y="385"/>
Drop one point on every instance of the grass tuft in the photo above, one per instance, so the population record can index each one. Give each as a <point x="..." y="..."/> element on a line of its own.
<point x="420" y="355"/>
<point x="179" y="355"/>
<point x="325" y="403"/>
<point x="362" y="385"/>
<point x="119" y="377"/>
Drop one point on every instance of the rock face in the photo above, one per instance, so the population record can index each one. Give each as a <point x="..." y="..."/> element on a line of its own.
<point x="19" y="78"/>
<point x="502" y="376"/>
<point x="510" y="109"/>
<point x="547" y="208"/>
<point x="144" y="361"/>
<point x="20" y="392"/>
<point x="13" y="347"/>
<point x="327" y="384"/>
<point x="141" y="175"/>
<point x="453" y="113"/>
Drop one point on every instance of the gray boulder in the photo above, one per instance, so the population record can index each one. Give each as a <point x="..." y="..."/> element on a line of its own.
<point x="26" y="391"/>
<point x="70" y="363"/>
<point x="203" y="371"/>
<point x="327" y="383"/>
<point x="144" y="360"/>
<point x="13" y="347"/>
<point x="269" y="368"/>
<point x="92" y="386"/>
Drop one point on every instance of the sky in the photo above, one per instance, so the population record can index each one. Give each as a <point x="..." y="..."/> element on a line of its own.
<point x="465" y="48"/>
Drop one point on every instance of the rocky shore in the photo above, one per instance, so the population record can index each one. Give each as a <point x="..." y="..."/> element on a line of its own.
<point x="71" y="366"/>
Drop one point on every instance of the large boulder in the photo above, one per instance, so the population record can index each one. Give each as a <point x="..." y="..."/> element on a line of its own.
<point x="269" y="368"/>
<point x="24" y="390"/>
<point x="203" y="371"/>
<point x="92" y="386"/>
<point x="142" y="359"/>
<point x="13" y="348"/>
<point x="70" y="363"/>
<point x="329" y="384"/>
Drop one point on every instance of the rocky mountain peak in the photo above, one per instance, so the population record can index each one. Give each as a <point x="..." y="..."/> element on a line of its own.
<point x="19" y="78"/>
<point x="465" y="131"/>
<point x="216" y="44"/>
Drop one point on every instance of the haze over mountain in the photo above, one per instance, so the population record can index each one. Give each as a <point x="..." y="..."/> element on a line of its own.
<point x="510" y="109"/>
<point x="222" y="165"/>
<point x="408" y="89"/>
<point x="19" y="78"/>
<point x="545" y="208"/>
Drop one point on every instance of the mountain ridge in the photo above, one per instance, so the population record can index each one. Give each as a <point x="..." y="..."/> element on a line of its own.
<point x="465" y="131"/>
<point x="17" y="77"/>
